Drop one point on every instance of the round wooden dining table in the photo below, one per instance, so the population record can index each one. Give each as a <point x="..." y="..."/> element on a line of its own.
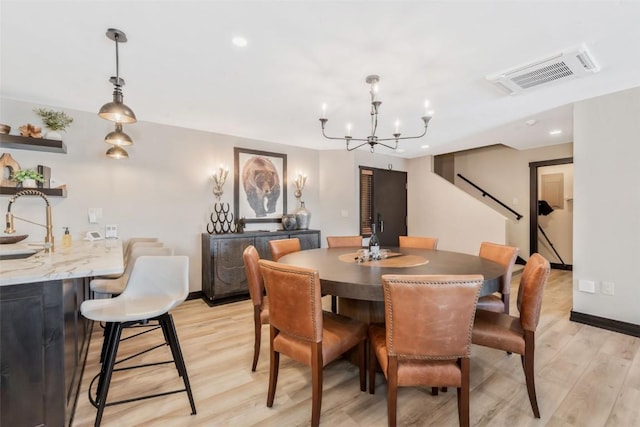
<point x="359" y="285"/>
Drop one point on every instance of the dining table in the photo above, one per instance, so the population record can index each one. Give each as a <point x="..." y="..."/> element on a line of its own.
<point x="358" y="285"/>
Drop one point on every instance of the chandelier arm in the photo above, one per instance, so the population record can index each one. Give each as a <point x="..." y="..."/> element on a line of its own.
<point x="405" y="137"/>
<point x="388" y="146"/>
<point x="342" y="138"/>
<point x="357" y="146"/>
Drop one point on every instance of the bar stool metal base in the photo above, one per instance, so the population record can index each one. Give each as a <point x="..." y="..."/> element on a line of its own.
<point x="113" y="332"/>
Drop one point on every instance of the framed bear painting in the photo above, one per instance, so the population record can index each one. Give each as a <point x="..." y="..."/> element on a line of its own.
<point x="260" y="185"/>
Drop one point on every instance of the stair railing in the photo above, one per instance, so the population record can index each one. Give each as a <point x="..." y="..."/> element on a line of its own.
<point x="486" y="194"/>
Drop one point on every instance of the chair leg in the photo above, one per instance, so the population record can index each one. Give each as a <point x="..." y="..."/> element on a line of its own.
<point x="392" y="391"/>
<point x="257" y="339"/>
<point x="316" y="384"/>
<point x="463" y="394"/>
<point x="107" y="370"/>
<point x="362" y="364"/>
<point x="373" y="364"/>
<point x="505" y="301"/>
<point x="527" y="362"/>
<point x="274" y="364"/>
<point x="172" y="335"/>
<point x="434" y="391"/>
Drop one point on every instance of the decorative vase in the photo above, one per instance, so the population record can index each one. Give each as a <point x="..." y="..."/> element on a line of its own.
<point x="52" y="134"/>
<point x="289" y="222"/>
<point x="303" y="216"/>
<point x="29" y="183"/>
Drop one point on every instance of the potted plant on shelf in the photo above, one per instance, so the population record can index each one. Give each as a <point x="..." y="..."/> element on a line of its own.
<point x="55" y="121"/>
<point x="27" y="178"/>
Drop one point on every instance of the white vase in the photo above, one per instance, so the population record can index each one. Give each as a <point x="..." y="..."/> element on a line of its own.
<point x="52" y="134"/>
<point x="29" y="183"/>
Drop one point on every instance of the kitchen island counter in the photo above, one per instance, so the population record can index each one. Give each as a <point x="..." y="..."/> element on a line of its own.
<point x="43" y="337"/>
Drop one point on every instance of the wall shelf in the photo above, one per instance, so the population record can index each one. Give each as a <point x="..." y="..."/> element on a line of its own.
<point x="51" y="192"/>
<point x="34" y="144"/>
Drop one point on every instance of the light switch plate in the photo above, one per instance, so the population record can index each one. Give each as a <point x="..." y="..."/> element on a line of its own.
<point x="587" y="286"/>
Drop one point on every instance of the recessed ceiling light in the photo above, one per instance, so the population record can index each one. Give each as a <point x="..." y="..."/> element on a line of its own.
<point x="555" y="132"/>
<point x="239" y="41"/>
<point x="400" y="150"/>
<point x="531" y="122"/>
<point x="424" y="146"/>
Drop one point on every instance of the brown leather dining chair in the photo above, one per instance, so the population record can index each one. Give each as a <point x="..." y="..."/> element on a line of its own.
<point x="280" y="248"/>
<point x="260" y="301"/>
<point x="505" y="256"/>
<point x="427" y="339"/>
<point x="418" y="242"/>
<point x="342" y="242"/>
<point x="517" y="334"/>
<point x="301" y="330"/>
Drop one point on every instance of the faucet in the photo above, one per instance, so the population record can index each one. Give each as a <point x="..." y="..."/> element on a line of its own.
<point x="48" y="240"/>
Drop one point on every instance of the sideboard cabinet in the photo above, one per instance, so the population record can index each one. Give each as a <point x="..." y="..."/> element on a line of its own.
<point x="223" y="274"/>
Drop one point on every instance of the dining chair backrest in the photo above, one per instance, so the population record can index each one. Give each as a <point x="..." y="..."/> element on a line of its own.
<point x="344" y="241"/>
<point x="133" y="240"/>
<point x="430" y="316"/>
<point x="280" y="248"/>
<point x="254" y="276"/>
<point x="143" y="244"/>
<point x="534" y="277"/>
<point x="503" y="255"/>
<point x="295" y="301"/>
<point x="418" y="242"/>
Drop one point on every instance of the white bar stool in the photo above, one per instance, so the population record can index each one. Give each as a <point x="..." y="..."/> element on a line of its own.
<point x="127" y="251"/>
<point x="116" y="286"/>
<point x="157" y="285"/>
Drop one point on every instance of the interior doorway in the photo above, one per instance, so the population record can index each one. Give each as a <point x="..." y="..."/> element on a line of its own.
<point x="551" y="211"/>
<point x="383" y="201"/>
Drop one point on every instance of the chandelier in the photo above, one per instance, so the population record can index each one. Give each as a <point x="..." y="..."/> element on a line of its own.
<point x="117" y="111"/>
<point x="373" y="140"/>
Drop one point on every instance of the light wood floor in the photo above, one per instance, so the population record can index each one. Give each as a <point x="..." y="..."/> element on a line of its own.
<point x="585" y="377"/>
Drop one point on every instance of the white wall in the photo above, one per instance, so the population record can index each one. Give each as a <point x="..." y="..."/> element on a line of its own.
<point x="607" y="204"/>
<point x="437" y="208"/>
<point x="164" y="189"/>
<point x="340" y="187"/>
<point x="504" y="172"/>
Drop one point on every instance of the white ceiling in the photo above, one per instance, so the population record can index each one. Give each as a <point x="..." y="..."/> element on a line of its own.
<point x="182" y="69"/>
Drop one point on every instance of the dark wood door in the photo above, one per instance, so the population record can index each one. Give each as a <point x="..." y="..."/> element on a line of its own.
<point x="390" y="205"/>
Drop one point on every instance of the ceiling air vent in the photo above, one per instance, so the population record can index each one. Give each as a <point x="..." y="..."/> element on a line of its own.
<point x="564" y="66"/>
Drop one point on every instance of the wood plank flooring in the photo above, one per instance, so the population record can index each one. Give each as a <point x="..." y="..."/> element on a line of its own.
<point x="585" y="377"/>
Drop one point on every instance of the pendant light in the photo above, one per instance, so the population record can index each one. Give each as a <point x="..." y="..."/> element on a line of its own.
<point x="117" y="111"/>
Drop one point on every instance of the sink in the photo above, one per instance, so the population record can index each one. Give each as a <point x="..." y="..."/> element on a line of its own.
<point x="4" y="256"/>
<point x="17" y="251"/>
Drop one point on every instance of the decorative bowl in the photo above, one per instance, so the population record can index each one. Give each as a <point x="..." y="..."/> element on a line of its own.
<point x="5" y="129"/>
<point x="5" y="240"/>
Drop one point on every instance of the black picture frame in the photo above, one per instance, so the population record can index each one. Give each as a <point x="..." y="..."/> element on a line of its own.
<point x="255" y="171"/>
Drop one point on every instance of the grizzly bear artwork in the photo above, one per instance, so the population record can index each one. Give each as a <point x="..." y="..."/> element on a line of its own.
<point x="261" y="184"/>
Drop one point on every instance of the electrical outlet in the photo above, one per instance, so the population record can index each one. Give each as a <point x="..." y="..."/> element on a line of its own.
<point x="607" y="288"/>
<point x="111" y="231"/>
<point x="588" y="286"/>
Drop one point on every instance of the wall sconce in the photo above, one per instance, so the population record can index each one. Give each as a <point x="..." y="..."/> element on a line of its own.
<point x="299" y="183"/>
<point x="219" y="178"/>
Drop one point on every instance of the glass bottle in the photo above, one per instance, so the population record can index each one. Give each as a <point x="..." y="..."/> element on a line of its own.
<point x="374" y="243"/>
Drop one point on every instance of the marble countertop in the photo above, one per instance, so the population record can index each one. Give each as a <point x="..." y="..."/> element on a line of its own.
<point x="82" y="259"/>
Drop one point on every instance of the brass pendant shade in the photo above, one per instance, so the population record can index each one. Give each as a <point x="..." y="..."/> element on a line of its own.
<point x="118" y="137"/>
<point x="117" y="152"/>
<point x="116" y="110"/>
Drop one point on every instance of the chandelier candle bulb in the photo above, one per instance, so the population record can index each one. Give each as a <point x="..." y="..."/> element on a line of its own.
<point x="397" y="127"/>
<point x="324" y="111"/>
<point x="348" y="129"/>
